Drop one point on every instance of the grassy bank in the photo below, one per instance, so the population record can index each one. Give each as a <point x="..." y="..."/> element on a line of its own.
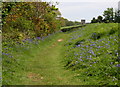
<point x="93" y="53"/>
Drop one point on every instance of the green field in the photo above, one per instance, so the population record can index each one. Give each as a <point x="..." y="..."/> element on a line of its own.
<point x="85" y="56"/>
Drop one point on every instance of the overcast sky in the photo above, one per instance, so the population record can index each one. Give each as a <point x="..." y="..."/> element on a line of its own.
<point x="76" y="10"/>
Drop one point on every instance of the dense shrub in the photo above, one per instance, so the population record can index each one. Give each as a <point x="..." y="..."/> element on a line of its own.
<point x="30" y="18"/>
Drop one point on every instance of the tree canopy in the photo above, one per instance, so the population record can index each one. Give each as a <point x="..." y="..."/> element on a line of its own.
<point x="109" y="15"/>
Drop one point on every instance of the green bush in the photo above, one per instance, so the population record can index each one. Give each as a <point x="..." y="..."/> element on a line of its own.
<point x="22" y="24"/>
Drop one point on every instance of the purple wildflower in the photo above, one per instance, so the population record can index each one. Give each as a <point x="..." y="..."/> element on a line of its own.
<point x="94" y="62"/>
<point x="99" y="46"/>
<point x="92" y="44"/>
<point x="111" y="63"/>
<point x="80" y="59"/>
<point x="38" y="38"/>
<point x="118" y="65"/>
<point x="78" y="45"/>
<point x="5" y="54"/>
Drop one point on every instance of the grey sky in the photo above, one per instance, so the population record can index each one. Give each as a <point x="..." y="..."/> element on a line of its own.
<point x="76" y="10"/>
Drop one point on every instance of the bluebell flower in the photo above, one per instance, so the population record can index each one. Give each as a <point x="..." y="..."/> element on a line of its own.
<point x="38" y="38"/>
<point x="90" y="56"/>
<point x="75" y="54"/>
<point x="80" y="59"/>
<point x="100" y="46"/>
<point x="78" y="45"/>
<point x="92" y="44"/>
<point x="5" y="48"/>
<point x="111" y="63"/>
<point x="118" y="65"/>
<point x="94" y="62"/>
<point x="5" y="54"/>
<point x="108" y="41"/>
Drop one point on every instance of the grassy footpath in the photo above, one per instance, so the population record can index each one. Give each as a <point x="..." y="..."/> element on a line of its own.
<point x="47" y="68"/>
<point x="41" y="64"/>
<point x="87" y="56"/>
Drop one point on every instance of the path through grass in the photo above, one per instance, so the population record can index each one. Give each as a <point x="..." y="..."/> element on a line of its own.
<point x="43" y="65"/>
<point x="81" y="51"/>
<point x="47" y="68"/>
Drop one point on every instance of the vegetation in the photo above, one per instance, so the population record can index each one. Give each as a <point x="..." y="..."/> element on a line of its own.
<point x="29" y="20"/>
<point x="109" y="17"/>
<point x="23" y="20"/>
<point x="36" y="52"/>
<point x="66" y="22"/>
<point x="93" y="53"/>
<point x="90" y="65"/>
<point x="69" y="28"/>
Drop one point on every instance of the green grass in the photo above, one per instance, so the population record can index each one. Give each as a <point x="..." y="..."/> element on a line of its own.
<point x="66" y="27"/>
<point x="39" y="65"/>
<point x="93" y="53"/>
<point x="50" y="62"/>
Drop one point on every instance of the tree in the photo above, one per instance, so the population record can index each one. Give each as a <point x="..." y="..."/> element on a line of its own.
<point x="117" y="16"/>
<point x="100" y="19"/>
<point x="94" y="20"/>
<point x="109" y="15"/>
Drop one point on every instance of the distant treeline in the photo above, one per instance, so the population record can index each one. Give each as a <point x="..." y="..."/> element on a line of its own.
<point x="21" y="20"/>
<point x="66" y="22"/>
<point x="109" y="16"/>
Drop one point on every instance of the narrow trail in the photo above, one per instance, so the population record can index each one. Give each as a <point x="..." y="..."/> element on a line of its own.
<point x="47" y="68"/>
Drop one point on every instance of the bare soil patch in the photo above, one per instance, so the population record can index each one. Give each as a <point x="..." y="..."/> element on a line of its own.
<point x="59" y="40"/>
<point x="34" y="76"/>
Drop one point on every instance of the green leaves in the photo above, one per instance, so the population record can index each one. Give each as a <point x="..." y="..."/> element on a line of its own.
<point x="30" y="17"/>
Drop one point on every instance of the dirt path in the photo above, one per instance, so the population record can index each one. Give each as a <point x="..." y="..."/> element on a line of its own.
<point x="59" y="40"/>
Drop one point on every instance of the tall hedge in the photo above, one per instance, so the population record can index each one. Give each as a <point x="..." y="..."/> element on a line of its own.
<point x="33" y="19"/>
